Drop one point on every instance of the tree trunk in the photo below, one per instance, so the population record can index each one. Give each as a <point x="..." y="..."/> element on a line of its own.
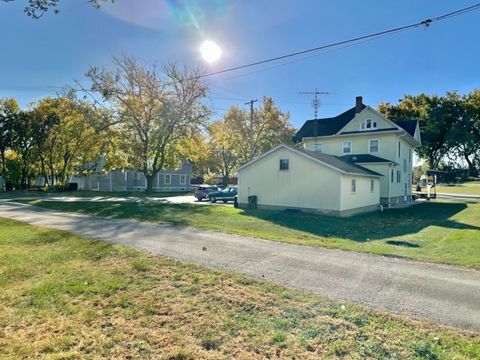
<point x="150" y="179"/>
<point x="472" y="170"/>
<point x="225" y="180"/>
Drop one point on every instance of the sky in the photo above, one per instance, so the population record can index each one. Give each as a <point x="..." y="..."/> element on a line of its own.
<point x="38" y="57"/>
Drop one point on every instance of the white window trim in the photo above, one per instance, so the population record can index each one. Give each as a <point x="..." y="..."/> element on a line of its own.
<point x="370" y="146"/>
<point x="184" y="177"/>
<point x="320" y="145"/>
<point x="364" y="122"/>
<point x="280" y="165"/>
<point x="343" y="147"/>
<point x="165" y="179"/>
<point x="353" y="188"/>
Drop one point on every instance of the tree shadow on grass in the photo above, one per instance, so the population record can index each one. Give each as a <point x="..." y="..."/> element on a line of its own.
<point x="369" y="226"/>
<point x="176" y="214"/>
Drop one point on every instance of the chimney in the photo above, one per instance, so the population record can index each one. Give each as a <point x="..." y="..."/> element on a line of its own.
<point x="358" y="104"/>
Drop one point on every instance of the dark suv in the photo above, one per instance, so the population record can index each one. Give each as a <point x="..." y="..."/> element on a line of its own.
<point x="228" y="194"/>
<point x="203" y="192"/>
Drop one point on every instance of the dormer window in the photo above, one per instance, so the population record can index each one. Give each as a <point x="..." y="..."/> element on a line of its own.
<point x="368" y="124"/>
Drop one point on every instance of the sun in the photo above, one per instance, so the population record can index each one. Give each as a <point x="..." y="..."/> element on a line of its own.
<point x="210" y="51"/>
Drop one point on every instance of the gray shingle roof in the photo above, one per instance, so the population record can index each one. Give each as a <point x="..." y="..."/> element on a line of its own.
<point x="332" y="125"/>
<point x="339" y="163"/>
<point x="325" y="126"/>
<point x="408" y="125"/>
<point x="364" y="158"/>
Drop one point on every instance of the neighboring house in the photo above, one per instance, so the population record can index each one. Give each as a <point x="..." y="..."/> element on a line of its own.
<point x="350" y="163"/>
<point x="131" y="180"/>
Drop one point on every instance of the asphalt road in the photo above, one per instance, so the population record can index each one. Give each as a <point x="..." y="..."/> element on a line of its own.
<point x="440" y="293"/>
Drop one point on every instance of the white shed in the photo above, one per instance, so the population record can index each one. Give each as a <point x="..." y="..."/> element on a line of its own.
<point x="291" y="178"/>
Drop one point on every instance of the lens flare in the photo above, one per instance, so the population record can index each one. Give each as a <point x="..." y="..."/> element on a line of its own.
<point x="210" y="51"/>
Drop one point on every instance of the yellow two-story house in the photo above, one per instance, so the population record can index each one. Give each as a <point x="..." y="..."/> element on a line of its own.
<point x="347" y="164"/>
<point x="363" y="136"/>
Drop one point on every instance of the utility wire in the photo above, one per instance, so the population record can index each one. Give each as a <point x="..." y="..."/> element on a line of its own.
<point x="426" y="23"/>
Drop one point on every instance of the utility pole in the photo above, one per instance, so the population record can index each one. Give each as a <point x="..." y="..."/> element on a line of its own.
<point x="316" y="100"/>
<point x="251" y="102"/>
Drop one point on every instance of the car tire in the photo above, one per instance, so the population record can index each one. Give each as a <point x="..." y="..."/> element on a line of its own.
<point x="213" y="199"/>
<point x="224" y="201"/>
<point x="199" y="199"/>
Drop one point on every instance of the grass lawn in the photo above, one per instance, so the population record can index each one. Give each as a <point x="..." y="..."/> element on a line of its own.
<point x="439" y="231"/>
<point x="66" y="297"/>
<point x="469" y="188"/>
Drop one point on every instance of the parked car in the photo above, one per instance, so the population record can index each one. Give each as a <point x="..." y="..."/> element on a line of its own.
<point x="228" y="194"/>
<point x="203" y="192"/>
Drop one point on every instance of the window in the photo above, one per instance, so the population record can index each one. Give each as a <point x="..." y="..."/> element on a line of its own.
<point x="354" y="185"/>
<point x="373" y="146"/>
<point x="284" y="164"/>
<point x="368" y="124"/>
<point x="404" y="165"/>
<point x="182" y="179"/>
<point x="391" y="175"/>
<point x="399" y="148"/>
<point x="399" y="176"/>
<point x="167" y="179"/>
<point x="410" y="156"/>
<point x="318" y="147"/>
<point x="372" y="185"/>
<point x="347" y="147"/>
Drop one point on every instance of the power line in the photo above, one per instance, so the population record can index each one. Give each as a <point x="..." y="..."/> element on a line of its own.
<point x="425" y="23"/>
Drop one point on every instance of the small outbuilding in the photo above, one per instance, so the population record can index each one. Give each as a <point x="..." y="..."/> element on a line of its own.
<point x="292" y="178"/>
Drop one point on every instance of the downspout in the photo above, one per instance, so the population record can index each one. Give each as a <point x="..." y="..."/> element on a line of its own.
<point x="388" y="183"/>
<point x="399" y="155"/>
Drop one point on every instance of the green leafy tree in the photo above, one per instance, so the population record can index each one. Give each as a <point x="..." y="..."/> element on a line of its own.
<point x="27" y="135"/>
<point x="8" y="111"/>
<point x="268" y="127"/>
<point x="239" y="137"/>
<point x="450" y="126"/>
<point x="37" y="8"/>
<point x="71" y="144"/>
<point x="464" y="136"/>
<point x="436" y="117"/>
<point x="223" y="149"/>
<point x="155" y="110"/>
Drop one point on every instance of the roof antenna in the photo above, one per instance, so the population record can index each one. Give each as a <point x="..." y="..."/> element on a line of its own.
<point x="316" y="100"/>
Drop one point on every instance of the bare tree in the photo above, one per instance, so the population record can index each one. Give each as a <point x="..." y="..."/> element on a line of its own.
<point x="157" y="108"/>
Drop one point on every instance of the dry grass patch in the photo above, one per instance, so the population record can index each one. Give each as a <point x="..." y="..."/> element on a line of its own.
<point x="62" y="296"/>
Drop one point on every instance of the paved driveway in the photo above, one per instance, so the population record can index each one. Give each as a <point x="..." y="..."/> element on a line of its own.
<point x="440" y="293"/>
<point x="181" y="199"/>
